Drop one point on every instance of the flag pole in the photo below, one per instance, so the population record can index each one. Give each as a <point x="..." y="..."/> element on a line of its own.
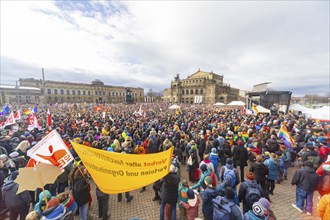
<point x="42" y="187"/>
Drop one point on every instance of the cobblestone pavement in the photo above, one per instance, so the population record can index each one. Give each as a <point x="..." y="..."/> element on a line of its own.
<point x="143" y="208"/>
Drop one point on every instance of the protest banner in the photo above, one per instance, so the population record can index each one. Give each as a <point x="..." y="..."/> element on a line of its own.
<point x="51" y="150"/>
<point x="116" y="172"/>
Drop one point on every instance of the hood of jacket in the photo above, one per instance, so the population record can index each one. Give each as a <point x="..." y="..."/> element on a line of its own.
<point x="9" y="185"/>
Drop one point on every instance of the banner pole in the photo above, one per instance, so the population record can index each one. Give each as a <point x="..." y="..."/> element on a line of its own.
<point x="42" y="187"/>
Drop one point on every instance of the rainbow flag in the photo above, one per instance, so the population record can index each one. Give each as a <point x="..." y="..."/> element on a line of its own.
<point x="285" y="136"/>
<point x="27" y="111"/>
<point x="254" y="109"/>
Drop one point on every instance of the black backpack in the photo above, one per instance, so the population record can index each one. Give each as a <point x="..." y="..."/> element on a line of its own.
<point x="253" y="194"/>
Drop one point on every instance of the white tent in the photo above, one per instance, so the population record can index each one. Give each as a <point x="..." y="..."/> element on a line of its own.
<point x="238" y="103"/>
<point x="322" y="113"/>
<point x="297" y="107"/>
<point x="174" y="107"/>
<point x="219" y="103"/>
<point x="262" y="109"/>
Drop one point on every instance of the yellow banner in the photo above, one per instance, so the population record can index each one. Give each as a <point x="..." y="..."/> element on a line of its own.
<point x="116" y="172"/>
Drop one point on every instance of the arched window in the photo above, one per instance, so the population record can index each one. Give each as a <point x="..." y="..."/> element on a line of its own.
<point x="84" y="92"/>
<point x="62" y="91"/>
<point x="49" y="91"/>
<point x="182" y="92"/>
<point x="78" y="92"/>
<point x="191" y="91"/>
<point x="68" y="92"/>
<point x="89" y="93"/>
<point x="96" y="93"/>
<point x="73" y="92"/>
<point x="187" y="91"/>
<point x="196" y="91"/>
<point x="201" y="91"/>
<point x="55" y="91"/>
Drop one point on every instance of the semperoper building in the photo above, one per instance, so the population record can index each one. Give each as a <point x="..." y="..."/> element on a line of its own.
<point x="200" y="87"/>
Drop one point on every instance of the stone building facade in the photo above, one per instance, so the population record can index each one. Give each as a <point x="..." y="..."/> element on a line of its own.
<point x="200" y="87"/>
<point x="20" y="94"/>
<point x="69" y="92"/>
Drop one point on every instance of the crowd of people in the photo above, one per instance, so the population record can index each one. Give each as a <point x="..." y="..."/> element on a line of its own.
<point x="213" y="145"/>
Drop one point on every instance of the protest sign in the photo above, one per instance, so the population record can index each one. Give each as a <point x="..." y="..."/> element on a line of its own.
<point x="116" y="172"/>
<point x="51" y="150"/>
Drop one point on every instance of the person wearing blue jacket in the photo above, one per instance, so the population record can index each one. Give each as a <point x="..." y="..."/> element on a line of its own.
<point x="208" y="194"/>
<point x="215" y="159"/>
<point x="272" y="165"/>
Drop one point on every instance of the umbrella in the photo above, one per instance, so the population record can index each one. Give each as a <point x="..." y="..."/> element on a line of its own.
<point x="31" y="178"/>
<point x="174" y="107"/>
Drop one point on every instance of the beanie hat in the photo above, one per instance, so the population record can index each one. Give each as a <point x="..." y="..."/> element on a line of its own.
<point x="229" y="161"/>
<point x="190" y="194"/>
<point x="203" y="167"/>
<point x="172" y="168"/>
<point x="308" y="163"/>
<point x="258" y="209"/>
<point x="240" y="143"/>
<point x="230" y="193"/>
<point x="214" y="150"/>
<point x="208" y="180"/>
<point x="265" y="203"/>
<point x="250" y="176"/>
<point x="282" y="147"/>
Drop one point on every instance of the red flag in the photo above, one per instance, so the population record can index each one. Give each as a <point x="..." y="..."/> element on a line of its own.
<point x="17" y="115"/>
<point x="10" y="120"/>
<point x="33" y="122"/>
<point x="49" y="120"/>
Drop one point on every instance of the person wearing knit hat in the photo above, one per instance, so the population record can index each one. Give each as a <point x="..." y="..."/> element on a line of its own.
<point x="306" y="181"/>
<point x="201" y="183"/>
<point x="250" y="176"/>
<point x="268" y="212"/>
<point x="192" y="205"/>
<point x="215" y="159"/>
<point x="256" y="213"/>
<point x="208" y="194"/>
<point x="249" y="192"/>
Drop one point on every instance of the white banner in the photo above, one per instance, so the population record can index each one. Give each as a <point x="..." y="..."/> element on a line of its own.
<point x="51" y="150"/>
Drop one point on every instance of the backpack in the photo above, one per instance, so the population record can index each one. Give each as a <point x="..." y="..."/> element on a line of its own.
<point x="315" y="160"/>
<point x="221" y="209"/>
<point x="229" y="175"/>
<point x="253" y="194"/>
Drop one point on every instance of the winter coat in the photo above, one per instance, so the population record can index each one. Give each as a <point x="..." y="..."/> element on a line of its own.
<point x="214" y="158"/>
<point x="192" y="210"/>
<point x="182" y="195"/>
<point x="80" y="191"/>
<point x="251" y="216"/>
<point x="243" y="188"/>
<point x="305" y="179"/>
<point x="12" y="200"/>
<point x="260" y="171"/>
<point x="323" y="208"/>
<point x="241" y="156"/>
<point x="208" y="194"/>
<point x="170" y="187"/>
<point x="201" y="183"/>
<point x="272" y="169"/>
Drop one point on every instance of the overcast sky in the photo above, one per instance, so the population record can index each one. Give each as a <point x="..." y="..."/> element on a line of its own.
<point x="146" y="43"/>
